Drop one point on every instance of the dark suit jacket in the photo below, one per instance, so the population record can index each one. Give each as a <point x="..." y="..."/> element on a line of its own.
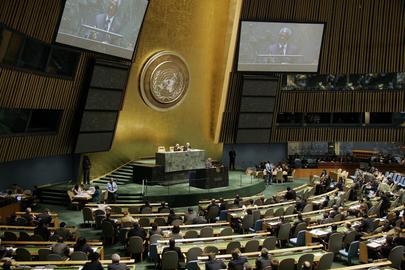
<point x="237" y="264"/>
<point x="93" y="266"/>
<point x="215" y="265"/>
<point x="137" y="232"/>
<point x="114" y="28"/>
<point x="262" y="262"/>
<point x="117" y="266"/>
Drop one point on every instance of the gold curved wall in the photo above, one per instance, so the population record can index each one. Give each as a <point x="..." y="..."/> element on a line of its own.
<point x="202" y="32"/>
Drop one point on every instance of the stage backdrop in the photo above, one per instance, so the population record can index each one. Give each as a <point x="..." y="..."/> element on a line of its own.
<point x="203" y="33"/>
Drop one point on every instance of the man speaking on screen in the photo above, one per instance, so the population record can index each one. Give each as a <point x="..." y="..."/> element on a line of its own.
<point x="108" y="21"/>
<point x="284" y="51"/>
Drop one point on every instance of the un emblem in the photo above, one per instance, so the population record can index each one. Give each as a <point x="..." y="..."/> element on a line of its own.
<point x="164" y="81"/>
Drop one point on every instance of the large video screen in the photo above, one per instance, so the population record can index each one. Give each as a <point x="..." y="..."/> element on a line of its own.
<point x="280" y="47"/>
<point x="105" y="26"/>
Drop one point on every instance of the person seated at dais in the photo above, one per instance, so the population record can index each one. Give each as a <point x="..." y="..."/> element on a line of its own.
<point x="177" y="147"/>
<point x="127" y="219"/>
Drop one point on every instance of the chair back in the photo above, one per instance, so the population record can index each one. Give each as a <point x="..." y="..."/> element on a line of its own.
<point x="256" y="215"/>
<point x="154" y="238"/>
<point x="9" y="236"/>
<point x="116" y="209"/>
<point x="78" y="256"/>
<point x="305" y="258"/>
<point x="290" y="210"/>
<point x="326" y="260"/>
<point x="193" y="253"/>
<point x="279" y="212"/>
<point x="395" y="256"/>
<point x="279" y="176"/>
<point x="213" y="212"/>
<point x="144" y="222"/>
<point x="232" y="246"/>
<point x="43" y="254"/>
<point x="252" y="245"/>
<point x="177" y="222"/>
<point x="108" y="230"/>
<point x="206" y="232"/>
<point x="335" y="242"/>
<point x="211" y="249"/>
<point x="24" y="236"/>
<point x="300" y="226"/>
<point x="301" y="238"/>
<point x="287" y="264"/>
<point x="21" y="254"/>
<point x="269" y="212"/>
<point x="258" y="202"/>
<point x="146" y="210"/>
<point x="307" y="208"/>
<point x="164" y="210"/>
<point x="247" y="222"/>
<point x="135" y="245"/>
<point x="226" y="231"/>
<point x="20" y="221"/>
<point x="191" y="234"/>
<point x="71" y="195"/>
<point x="54" y="257"/>
<point x="170" y="260"/>
<point x="134" y="210"/>
<point x="337" y="217"/>
<point x="284" y="231"/>
<point x="270" y="242"/>
<point x="87" y="215"/>
<point x="36" y="237"/>
<point x="353" y="250"/>
<point x="99" y="220"/>
<point x="54" y="237"/>
<point x="99" y="212"/>
<point x="160" y="221"/>
<point x="349" y="238"/>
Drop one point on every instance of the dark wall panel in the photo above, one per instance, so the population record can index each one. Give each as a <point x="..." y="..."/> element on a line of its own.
<point x="255" y="120"/>
<point x="109" y="77"/>
<point x="94" y="142"/>
<point x="102" y="99"/>
<point x="259" y="87"/>
<point x="253" y="136"/>
<point x="257" y="104"/>
<point x="39" y="171"/>
<point x="98" y="121"/>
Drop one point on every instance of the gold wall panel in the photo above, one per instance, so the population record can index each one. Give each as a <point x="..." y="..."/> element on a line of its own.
<point x="200" y="32"/>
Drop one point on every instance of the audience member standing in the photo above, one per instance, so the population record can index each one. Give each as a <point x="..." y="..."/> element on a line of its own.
<point x="86" y="165"/>
<point x="232" y="158"/>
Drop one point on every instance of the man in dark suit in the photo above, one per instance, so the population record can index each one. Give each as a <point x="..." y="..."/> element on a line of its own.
<point x="116" y="265"/>
<point x="213" y="263"/>
<point x="290" y="194"/>
<point x="137" y="231"/>
<point x="264" y="260"/>
<point x="172" y="247"/>
<point x="237" y="262"/>
<point x="232" y="157"/>
<point x="109" y="22"/>
<point x="283" y="48"/>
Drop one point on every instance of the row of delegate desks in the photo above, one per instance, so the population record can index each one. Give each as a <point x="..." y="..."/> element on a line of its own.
<point x="124" y="206"/>
<point x="70" y="265"/>
<point x="276" y="254"/>
<point x="221" y="242"/>
<point x="30" y="229"/>
<point x="34" y="246"/>
<point x="55" y="217"/>
<point x="240" y="212"/>
<point x="216" y="227"/>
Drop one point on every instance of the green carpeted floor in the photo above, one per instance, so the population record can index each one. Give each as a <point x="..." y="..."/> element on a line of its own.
<point x="75" y="218"/>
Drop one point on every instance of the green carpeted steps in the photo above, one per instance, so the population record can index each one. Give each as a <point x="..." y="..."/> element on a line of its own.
<point x="129" y="197"/>
<point x="122" y="175"/>
<point x="54" y="196"/>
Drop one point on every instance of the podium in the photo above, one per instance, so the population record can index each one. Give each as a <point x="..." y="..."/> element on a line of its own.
<point x="210" y="178"/>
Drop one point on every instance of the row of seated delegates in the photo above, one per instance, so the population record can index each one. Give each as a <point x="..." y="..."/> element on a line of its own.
<point x="186" y="147"/>
<point x="28" y="218"/>
<point x="94" y="263"/>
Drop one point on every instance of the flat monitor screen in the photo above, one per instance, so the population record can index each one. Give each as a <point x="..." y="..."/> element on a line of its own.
<point x="280" y="47"/>
<point x="105" y="26"/>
